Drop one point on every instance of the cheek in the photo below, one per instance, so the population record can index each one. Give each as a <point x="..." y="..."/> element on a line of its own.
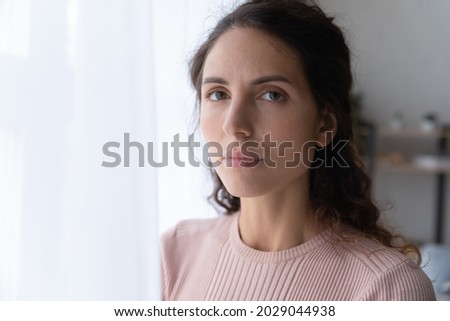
<point x="298" y="141"/>
<point x="209" y="125"/>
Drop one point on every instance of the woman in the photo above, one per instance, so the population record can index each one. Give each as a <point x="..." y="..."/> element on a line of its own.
<point x="300" y="225"/>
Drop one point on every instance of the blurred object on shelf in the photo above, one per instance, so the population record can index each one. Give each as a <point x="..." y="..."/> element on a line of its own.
<point x="397" y="121"/>
<point x="428" y="122"/>
<point x="390" y="158"/>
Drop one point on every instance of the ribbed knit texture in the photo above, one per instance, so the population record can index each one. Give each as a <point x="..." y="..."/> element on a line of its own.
<point x="207" y="260"/>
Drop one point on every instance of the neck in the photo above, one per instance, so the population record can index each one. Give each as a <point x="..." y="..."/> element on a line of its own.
<point x="279" y="220"/>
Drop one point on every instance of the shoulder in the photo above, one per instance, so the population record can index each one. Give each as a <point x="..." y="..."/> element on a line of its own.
<point x="390" y="274"/>
<point x="196" y="231"/>
<point x="186" y="247"/>
<point x="374" y="256"/>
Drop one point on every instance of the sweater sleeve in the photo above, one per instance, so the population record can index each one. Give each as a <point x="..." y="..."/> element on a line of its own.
<point x="403" y="282"/>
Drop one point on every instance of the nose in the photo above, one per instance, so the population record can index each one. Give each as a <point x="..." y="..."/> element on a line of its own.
<point x="238" y="121"/>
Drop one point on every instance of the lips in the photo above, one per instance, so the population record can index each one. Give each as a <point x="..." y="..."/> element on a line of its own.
<point x="236" y="158"/>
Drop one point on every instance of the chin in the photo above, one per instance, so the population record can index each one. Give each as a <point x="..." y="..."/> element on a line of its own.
<point x="239" y="188"/>
<point x="244" y="193"/>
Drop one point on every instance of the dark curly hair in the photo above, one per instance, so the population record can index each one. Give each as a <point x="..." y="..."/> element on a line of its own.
<point x="340" y="196"/>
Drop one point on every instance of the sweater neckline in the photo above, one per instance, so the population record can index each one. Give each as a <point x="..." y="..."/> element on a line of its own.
<point x="252" y="254"/>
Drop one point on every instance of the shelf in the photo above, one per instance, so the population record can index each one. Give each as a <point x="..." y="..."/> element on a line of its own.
<point x="437" y="163"/>
<point x="405" y="167"/>
<point x="413" y="132"/>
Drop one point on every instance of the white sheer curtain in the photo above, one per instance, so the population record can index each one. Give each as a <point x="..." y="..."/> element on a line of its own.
<point x="74" y="75"/>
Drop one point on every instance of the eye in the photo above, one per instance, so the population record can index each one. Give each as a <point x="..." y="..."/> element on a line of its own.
<point x="217" y="95"/>
<point x="273" y="96"/>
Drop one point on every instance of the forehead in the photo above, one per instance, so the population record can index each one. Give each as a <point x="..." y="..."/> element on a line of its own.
<point x="251" y="52"/>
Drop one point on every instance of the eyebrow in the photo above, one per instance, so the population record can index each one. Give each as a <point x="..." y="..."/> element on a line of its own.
<point x="214" y="80"/>
<point x="257" y="81"/>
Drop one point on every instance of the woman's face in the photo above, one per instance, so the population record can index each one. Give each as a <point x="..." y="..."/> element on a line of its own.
<point x="254" y="85"/>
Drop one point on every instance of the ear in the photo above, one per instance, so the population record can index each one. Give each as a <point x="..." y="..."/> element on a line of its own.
<point x="327" y="128"/>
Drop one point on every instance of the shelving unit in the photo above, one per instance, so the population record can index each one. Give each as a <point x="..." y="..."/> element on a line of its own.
<point x="396" y="162"/>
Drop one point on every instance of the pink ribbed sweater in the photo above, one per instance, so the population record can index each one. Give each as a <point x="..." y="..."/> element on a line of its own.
<point x="207" y="260"/>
